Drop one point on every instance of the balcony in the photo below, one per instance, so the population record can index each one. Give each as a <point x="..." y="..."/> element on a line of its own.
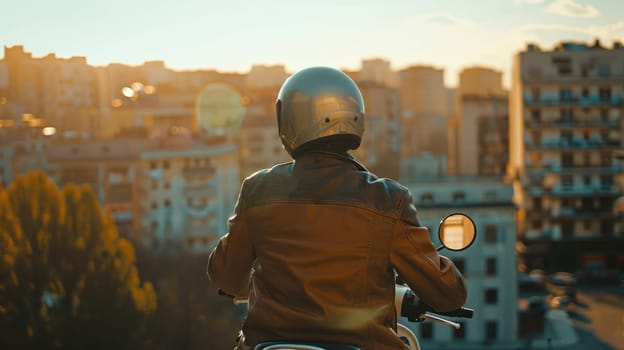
<point x="569" y="80"/>
<point x="581" y="213"/>
<point x="571" y="124"/>
<point x="201" y="188"/>
<point x="577" y="191"/>
<point x="209" y="170"/>
<point x="614" y="101"/>
<point x="562" y="144"/>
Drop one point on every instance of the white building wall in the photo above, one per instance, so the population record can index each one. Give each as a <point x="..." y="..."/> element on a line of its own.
<point x="489" y="203"/>
<point x="200" y="184"/>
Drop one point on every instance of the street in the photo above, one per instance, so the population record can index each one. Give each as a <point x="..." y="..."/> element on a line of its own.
<point x="598" y="317"/>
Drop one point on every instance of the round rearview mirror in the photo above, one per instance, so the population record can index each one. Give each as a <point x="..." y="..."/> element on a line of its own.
<point x="457" y="231"/>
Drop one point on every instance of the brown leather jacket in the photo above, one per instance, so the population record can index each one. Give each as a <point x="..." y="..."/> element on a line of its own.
<point x="314" y="245"/>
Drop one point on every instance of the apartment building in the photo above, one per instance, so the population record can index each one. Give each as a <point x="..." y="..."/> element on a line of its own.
<point x="259" y="143"/>
<point x="169" y="194"/>
<point x="60" y="91"/>
<point x="426" y="112"/>
<point x="479" y="132"/>
<point x="378" y="70"/>
<point x="185" y="195"/>
<point x="380" y="149"/>
<point x="567" y="129"/>
<point x="489" y="265"/>
<point x="22" y="148"/>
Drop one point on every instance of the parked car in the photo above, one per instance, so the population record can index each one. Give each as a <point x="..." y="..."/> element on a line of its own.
<point x="562" y="284"/>
<point x="564" y="279"/>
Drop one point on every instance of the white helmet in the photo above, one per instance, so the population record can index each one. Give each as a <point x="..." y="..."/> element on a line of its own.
<point x="318" y="102"/>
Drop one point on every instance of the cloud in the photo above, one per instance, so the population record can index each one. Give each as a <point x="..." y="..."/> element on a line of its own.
<point x="530" y="2"/>
<point x="570" y="8"/>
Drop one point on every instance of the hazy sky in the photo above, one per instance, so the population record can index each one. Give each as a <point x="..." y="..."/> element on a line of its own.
<point x="231" y="35"/>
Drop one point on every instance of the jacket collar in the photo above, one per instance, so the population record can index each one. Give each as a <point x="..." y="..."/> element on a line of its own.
<point x="344" y="157"/>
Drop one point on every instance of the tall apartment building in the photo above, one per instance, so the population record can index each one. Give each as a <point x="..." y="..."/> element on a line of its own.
<point x="489" y="265"/>
<point x="168" y="194"/>
<point x="380" y="149"/>
<point x="258" y="140"/>
<point x="185" y="195"/>
<point x="567" y="127"/>
<point x="379" y="71"/>
<point x="426" y="112"/>
<point x="479" y="132"/>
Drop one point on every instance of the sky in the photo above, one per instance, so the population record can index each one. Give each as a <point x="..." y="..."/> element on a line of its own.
<point x="232" y="35"/>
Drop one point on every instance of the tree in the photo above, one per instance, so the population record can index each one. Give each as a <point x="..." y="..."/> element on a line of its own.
<point x="75" y="283"/>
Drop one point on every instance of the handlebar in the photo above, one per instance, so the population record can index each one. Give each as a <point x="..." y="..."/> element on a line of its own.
<point x="414" y="309"/>
<point x="461" y="312"/>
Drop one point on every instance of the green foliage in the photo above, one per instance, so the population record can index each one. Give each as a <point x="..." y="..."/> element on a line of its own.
<point x="67" y="279"/>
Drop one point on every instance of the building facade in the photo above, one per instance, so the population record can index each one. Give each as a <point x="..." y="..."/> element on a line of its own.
<point x="426" y="112"/>
<point x="567" y="122"/>
<point x="489" y="265"/>
<point x="479" y="132"/>
<point x="169" y="194"/>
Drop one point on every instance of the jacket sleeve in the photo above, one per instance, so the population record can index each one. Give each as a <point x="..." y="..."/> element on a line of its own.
<point x="434" y="278"/>
<point x="230" y="262"/>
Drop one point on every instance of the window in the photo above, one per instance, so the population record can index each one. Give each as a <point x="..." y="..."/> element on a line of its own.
<point x="537" y="203"/>
<point x="566" y="136"/>
<point x="459" y="196"/>
<point x="154" y="205"/>
<point x="490" y="267"/>
<point x="567" y="114"/>
<point x="153" y="165"/>
<point x="606" y="181"/>
<point x="587" y="180"/>
<point x="604" y="94"/>
<point x="426" y="330"/>
<point x="567" y="160"/>
<point x="566" y="181"/>
<point x="604" y="71"/>
<point x="605" y="159"/>
<point x="565" y="94"/>
<point x="491" y="296"/>
<point x="461" y="332"/>
<point x="167" y="203"/>
<point x="490" y="234"/>
<point x="426" y="198"/>
<point x="166" y="164"/>
<point x="564" y="65"/>
<point x="491" y="330"/>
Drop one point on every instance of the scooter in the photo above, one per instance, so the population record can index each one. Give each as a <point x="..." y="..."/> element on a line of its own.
<point x="456" y="232"/>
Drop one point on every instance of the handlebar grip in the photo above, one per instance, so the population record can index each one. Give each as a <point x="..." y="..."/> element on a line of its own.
<point x="461" y="312"/>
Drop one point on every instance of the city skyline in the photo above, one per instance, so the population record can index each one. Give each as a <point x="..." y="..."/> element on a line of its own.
<point x="451" y="35"/>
